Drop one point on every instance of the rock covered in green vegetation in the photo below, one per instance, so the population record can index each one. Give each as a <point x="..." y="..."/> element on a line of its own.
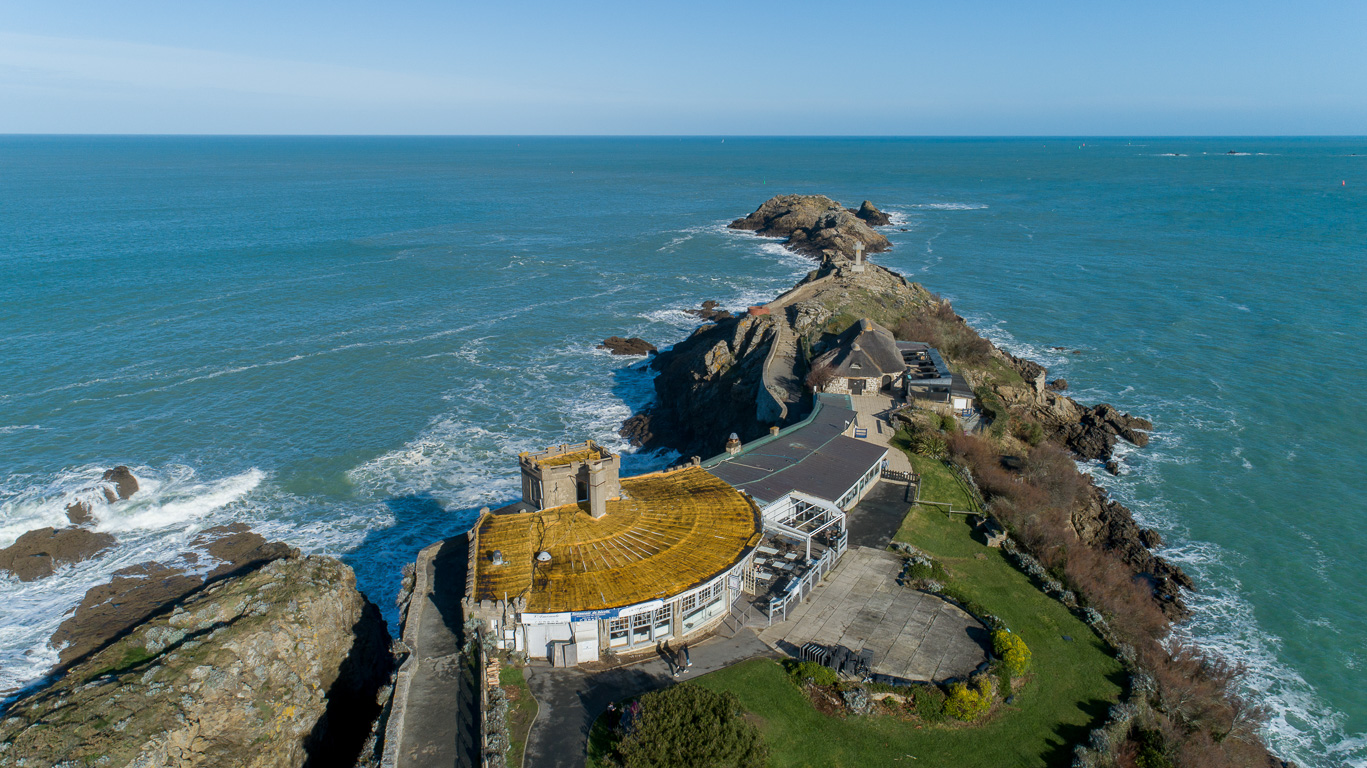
<point x="276" y="667"/>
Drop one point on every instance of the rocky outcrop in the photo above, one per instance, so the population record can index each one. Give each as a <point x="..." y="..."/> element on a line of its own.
<point x="37" y="554"/>
<point x="1090" y="432"/>
<point x="123" y="482"/>
<point x="708" y="385"/>
<point x="1058" y="385"/>
<point x="1108" y="524"/>
<point x="276" y="668"/>
<point x="815" y="225"/>
<point x="632" y="346"/>
<point x="715" y="383"/>
<point x="710" y="312"/>
<point x="139" y="591"/>
<point x="871" y="215"/>
<point x="78" y="512"/>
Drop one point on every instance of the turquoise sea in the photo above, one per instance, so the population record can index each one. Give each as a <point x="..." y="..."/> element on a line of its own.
<point x="344" y="341"/>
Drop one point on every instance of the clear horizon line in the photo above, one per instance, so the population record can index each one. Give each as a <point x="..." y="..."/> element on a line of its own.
<point x="30" y="134"/>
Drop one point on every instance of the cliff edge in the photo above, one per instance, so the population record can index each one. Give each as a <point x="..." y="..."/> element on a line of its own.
<point x="278" y="667"/>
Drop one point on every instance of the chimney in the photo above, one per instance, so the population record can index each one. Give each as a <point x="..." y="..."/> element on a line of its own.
<point x="773" y="431"/>
<point x="733" y="444"/>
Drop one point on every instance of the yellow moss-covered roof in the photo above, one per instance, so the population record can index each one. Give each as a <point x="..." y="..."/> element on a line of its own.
<point x="569" y="457"/>
<point x="670" y="531"/>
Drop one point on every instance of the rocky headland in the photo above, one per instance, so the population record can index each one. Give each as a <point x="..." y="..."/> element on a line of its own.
<point x="746" y="374"/>
<point x="277" y="661"/>
<point x="710" y="383"/>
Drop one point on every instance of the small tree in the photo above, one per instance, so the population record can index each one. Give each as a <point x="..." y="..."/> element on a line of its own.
<point x="819" y="376"/>
<point x="687" y="725"/>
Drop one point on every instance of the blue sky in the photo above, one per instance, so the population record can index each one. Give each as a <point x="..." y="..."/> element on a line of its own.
<point x="884" y="68"/>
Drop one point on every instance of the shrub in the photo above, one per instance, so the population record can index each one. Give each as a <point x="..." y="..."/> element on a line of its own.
<point x="969" y="703"/>
<point x="1012" y="650"/>
<point x="948" y="423"/>
<point x="1027" y="431"/>
<point x="811" y="672"/>
<point x="929" y="701"/>
<point x="687" y="725"/>
<point x="931" y="445"/>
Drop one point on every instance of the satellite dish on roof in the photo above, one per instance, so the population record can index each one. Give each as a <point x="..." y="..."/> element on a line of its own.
<point x="543" y="556"/>
<point x="734" y="436"/>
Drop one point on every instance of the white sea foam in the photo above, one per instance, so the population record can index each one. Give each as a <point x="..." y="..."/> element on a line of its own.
<point x="18" y="428"/>
<point x="1303" y="726"/>
<point x="172" y="505"/>
<point x="949" y="206"/>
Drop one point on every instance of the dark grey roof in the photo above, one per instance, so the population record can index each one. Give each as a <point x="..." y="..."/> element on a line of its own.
<point x="814" y="457"/>
<point x="866" y="349"/>
<point x="960" y="386"/>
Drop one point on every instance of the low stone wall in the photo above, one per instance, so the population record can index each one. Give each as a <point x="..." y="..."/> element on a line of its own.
<point x="417" y="602"/>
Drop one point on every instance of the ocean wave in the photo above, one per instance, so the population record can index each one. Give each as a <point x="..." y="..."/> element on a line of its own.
<point x="18" y="428"/>
<point x="1300" y="725"/>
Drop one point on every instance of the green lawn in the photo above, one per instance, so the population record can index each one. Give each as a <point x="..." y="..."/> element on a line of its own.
<point x="1070" y="686"/>
<point x="521" y="711"/>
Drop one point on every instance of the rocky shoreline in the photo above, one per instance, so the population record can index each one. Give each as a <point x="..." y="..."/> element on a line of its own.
<point x="264" y="658"/>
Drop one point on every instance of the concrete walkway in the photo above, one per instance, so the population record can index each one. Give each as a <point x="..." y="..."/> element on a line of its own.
<point x="438" y="728"/>
<point x="571" y="699"/>
<point x="872" y="413"/>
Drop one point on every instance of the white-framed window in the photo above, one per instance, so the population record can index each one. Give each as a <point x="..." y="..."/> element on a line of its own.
<point x="642" y="628"/>
<point x="619" y="632"/>
<point x="705" y="605"/>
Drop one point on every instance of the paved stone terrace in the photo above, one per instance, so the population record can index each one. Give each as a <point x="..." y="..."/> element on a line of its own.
<point x="914" y="635"/>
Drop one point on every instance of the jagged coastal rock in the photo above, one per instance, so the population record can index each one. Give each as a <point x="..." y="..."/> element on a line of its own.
<point x="36" y="554"/>
<point x="871" y="215"/>
<point x="710" y="312"/>
<point x="136" y="592"/>
<point x="816" y="226"/>
<point x="125" y="484"/>
<point x="274" y="668"/>
<point x="618" y="345"/>
<point x="78" y="513"/>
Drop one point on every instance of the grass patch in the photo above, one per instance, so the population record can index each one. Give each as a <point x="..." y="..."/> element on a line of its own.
<point x="133" y="655"/>
<point x="1070" y="687"/>
<point x="938" y="483"/>
<point x="521" y="711"/>
<point x="601" y="743"/>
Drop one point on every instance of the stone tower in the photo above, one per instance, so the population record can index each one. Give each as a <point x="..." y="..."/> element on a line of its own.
<point x="568" y="474"/>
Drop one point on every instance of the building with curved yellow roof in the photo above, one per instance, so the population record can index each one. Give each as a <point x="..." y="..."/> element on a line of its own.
<point x="629" y="563"/>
